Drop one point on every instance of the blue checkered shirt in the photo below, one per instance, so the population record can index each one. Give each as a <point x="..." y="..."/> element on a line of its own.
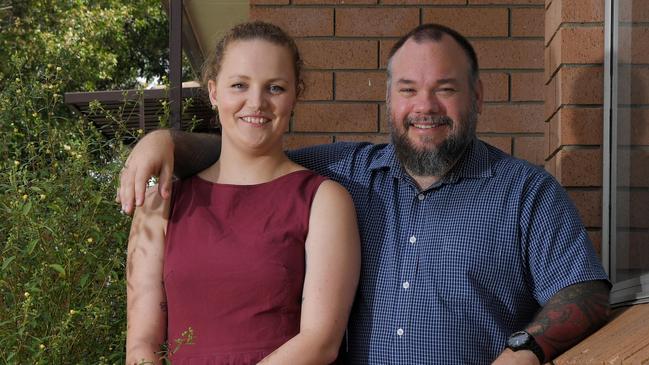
<point x="448" y="273"/>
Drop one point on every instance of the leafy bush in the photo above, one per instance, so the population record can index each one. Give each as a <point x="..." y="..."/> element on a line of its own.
<point x="62" y="238"/>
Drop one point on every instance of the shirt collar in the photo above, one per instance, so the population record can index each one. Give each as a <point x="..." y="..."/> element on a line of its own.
<point x="474" y="163"/>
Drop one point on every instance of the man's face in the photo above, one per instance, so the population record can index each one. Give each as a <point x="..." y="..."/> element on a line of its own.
<point x="432" y="107"/>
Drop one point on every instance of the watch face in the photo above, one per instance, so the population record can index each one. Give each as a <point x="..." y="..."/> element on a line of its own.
<point x="518" y="339"/>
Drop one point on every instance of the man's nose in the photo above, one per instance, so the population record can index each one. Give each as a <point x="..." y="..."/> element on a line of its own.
<point x="427" y="103"/>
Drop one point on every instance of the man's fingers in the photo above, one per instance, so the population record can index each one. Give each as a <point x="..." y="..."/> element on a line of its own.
<point x="126" y="190"/>
<point x="164" y="181"/>
<point x="140" y="184"/>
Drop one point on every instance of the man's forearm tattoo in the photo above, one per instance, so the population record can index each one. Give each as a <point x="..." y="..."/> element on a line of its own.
<point x="570" y="316"/>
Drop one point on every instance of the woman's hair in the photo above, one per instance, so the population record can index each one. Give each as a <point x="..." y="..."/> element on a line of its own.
<point x="251" y="31"/>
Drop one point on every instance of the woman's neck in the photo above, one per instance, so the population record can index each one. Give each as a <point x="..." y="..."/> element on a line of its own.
<point x="248" y="167"/>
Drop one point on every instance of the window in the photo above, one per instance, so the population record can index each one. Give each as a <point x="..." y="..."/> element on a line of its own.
<point x="626" y="150"/>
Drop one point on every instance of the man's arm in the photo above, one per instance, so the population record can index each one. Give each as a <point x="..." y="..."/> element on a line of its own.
<point x="571" y="315"/>
<point x="155" y="154"/>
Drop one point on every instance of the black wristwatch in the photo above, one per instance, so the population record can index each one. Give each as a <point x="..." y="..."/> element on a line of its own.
<point x="522" y="340"/>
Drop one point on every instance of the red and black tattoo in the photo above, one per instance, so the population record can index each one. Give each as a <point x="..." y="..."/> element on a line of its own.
<point x="571" y="315"/>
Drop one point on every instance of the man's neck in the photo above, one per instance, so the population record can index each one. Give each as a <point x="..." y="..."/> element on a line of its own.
<point x="424" y="182"/>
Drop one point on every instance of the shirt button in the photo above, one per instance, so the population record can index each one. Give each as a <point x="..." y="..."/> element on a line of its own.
<point x="420" y="196"/>
<point x="413" y="239"/>
<point x="400" y="332"/>
<point x="406" y="285"/>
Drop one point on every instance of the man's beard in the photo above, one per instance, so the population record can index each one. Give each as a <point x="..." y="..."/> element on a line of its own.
<point x="434" y="161"/>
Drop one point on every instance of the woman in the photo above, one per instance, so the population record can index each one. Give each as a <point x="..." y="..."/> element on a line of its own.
<point x="258" y="256"/>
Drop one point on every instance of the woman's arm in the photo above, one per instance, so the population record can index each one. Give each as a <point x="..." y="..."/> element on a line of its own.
<point x="146" y="303"/>
<point x="332" y="270"/>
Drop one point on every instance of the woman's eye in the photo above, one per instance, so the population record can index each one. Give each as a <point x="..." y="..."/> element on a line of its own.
<point x="276" y="89"/>
<point x="238" y="85"/>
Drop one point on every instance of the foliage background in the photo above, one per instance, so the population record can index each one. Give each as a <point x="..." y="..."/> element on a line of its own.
<point x="62" y="238"/>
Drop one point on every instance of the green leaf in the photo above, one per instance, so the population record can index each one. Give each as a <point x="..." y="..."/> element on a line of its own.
<point x="58" y="268"/>
<point x="27" y="207"/>
<point x="83" y="280"/>
<point x="30" y="248"/>
<point x="7" y="261"/>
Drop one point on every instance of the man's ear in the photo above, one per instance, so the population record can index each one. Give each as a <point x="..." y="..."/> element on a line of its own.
<point x="479" y="95"/>
<point x="211" y="88"/>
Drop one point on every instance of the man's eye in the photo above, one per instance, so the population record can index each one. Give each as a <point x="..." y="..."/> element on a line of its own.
<point x="276" y="89"/>
<point x="407" y="91"/>
<point x="446" y="91"/>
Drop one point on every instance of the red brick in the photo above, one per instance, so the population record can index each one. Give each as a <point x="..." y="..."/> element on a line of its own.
<point x="360" y="85"/>
<point x="632" y="168"/>
<point x="633" y="44"/>
<point x="327" y="54"/>
<point x="528" y="22"/>
<point x="638" y="12"/>
<point x="298" y="22"/>
<point x="379" y="22"/>
<point x="502" y="143"/>
<point x="581" y="85"/>
<point x="575" y="126"/>
<point x="579" y="167"/>
<point x="383" y="119"/>
<point x="551" y="99"/>
<point x="639" y="129"/>
<point x="596" y="239"/>
<point x="471" y="22"/>
<point x="633" y="209"/>
<point x="424" y="2"/>
<point x="512" y="54"/>
<point x="372" y="138"/>
<point x="336" y="117"/>
<point x="527" y="86"/>
<point x="269" y="2"/>
<point x="589" y="205"/>
<point x="639" y="86"/>
<point x="632" y="250"/>
<point x="575" y="46"/>
<point x="384" y="51"/>
<point x="496" y="86"/>
<point x="318" y="85"/>
<point x="572" y="11"/>
<point x="295" y="141"/>
<point x="525" y="118"/>
<point x="574" y="85"/>
<point x="531" y="149"/>
<point x="334" y="2"/>
<point x="506" y="2"/>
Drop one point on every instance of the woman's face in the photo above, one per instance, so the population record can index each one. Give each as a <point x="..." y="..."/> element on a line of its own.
<point x="255" y="94"/>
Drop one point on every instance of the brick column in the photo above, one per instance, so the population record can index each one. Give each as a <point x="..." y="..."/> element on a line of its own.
<point x="574" y="53"/>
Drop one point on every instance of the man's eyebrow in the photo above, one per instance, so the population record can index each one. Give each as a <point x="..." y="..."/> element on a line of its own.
<point x="450" y="80"/>
<point x="447" y="81"/>
<point x="405" y="81"/>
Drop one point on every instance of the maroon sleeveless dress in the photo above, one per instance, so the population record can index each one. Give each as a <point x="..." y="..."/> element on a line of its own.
<point x="234" y="267"/>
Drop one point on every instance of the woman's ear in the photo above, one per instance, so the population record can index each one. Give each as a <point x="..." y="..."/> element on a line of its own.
<point x="211" y="88"/>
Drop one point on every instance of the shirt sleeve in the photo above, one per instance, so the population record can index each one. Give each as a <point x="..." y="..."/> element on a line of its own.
<point x="555" y="243"/>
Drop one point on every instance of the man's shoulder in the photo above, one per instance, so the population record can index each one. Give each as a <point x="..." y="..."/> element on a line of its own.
<point x="507" y="166"/>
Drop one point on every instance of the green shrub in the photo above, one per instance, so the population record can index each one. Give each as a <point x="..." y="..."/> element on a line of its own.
<point x="62" y="238"/>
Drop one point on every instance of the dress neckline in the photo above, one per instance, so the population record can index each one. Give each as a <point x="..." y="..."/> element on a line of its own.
<point x="279" y="178"/>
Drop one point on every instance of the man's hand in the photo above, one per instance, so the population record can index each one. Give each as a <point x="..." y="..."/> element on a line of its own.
<point x="151" y="156"/>
<point x="522" y="357"/>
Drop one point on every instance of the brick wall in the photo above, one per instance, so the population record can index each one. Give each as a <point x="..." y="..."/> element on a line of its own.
<point x="345" y="45"/>
<point x="574" y="54"/>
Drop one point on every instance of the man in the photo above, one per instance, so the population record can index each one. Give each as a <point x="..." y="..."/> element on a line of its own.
<point x="468" y="255"/>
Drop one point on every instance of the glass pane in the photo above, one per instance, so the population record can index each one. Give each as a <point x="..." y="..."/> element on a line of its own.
<point x="632" y="163"/>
